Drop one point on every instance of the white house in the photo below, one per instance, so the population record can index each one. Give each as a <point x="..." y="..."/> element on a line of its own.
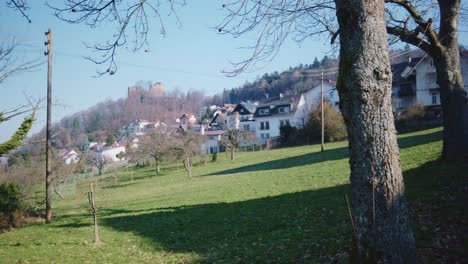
<point x="330" y="93"/>
<point x="110" y="153"/>
<point x="415" y="82"/>
<point x="218" y="122"/>
<point x="212" y="140"/>
<point x="242" y="117"/>
<point x="135" y="127"/>
<point x="276" y="112"/>
<point x="70" y="157"/>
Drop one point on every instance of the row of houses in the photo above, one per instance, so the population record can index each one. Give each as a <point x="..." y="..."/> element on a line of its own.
<point x="414" y="82"/>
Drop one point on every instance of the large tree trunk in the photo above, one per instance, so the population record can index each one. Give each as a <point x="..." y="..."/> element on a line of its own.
<point x="380" y="216"/>
<point x="452" y="94"/>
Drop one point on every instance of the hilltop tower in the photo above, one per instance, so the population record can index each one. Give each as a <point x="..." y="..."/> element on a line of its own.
<point x="156" y="90"/>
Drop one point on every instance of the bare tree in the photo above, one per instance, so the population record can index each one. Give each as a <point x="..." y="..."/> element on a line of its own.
<point x="155" y="145"/>
<point x="234" y="138"/>
<point x="132" y="17"/>
<point x="9" y="62"/>
<point x="94" y="210"/>
<point x="185" y="145"/>
<point x="99" y="161"/>
<point x="433" y="27"/>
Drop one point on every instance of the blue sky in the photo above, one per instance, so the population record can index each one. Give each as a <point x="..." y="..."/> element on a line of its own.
<point x="190" y="57"/>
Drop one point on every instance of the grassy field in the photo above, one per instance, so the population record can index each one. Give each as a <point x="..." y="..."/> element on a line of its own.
<point x="278" y="206"/>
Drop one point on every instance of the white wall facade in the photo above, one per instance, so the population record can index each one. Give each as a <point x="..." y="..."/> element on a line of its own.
<point x="274" y="123"/>
<point x="312" y="97"/>
<point x="427" y="90"/>
<point x="110" y="153"/>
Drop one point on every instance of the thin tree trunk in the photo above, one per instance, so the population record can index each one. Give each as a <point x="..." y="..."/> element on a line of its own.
<point x="158" y="168"/>
<point x="94" y="210"/>
<point x="188" y="167"/>
<point x="379" y="209"/>
<point x="232" y="153"/>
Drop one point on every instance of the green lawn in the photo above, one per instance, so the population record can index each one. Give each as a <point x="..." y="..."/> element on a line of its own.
<point x="278" y="206"/>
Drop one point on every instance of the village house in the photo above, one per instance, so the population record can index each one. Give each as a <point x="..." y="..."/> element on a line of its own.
<point x="110" y="153"/>
<point x="330" y="93"/>
<point x="69" y="156"/>
<point x="279" y="111"/>
<point x="242" y="117"/>
<point x="211" y="141"/>
<point x="415" y="82"/>
<point x="187" y="119"/>
<point x="154" y="125"/>
<point x="135" y="127"/>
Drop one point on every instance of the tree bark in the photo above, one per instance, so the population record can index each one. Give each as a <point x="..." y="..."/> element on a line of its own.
<point x="379" y="209"/>
<point x="188" y="167"/>
<point x="232" y="153"/>
<point x="443" y="48"/>
<point x="158" y="167"/>
<point x="452" y="94"/>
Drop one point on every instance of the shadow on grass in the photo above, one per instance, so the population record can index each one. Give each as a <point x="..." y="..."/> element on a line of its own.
<point x="327" y="155"/>
<point x="437" y="192"/>
<point x="295" y="227"/>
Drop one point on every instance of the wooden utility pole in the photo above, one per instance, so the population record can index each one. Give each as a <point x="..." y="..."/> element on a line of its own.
<point x="48" y="128"/>
<point x="323" y="126"/>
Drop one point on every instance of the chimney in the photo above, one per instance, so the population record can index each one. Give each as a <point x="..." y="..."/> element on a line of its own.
<point x="266" y="95"/>
<point x="202" y="130"/>
<point x="409" y="59"/>
<point x="281" y="96"/>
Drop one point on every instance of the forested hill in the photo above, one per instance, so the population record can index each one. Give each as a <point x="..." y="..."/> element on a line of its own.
<point x="294" y="80"/>
<point x="95" y="123"/>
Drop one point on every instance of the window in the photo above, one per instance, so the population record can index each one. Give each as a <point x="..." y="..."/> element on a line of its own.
<point x="331" y="95"/>
<point x="265" y="135"/>
<point x="265" y="111"/>
<point x="283" y="109"/>
<point x="434" y="98"/>
<point x="246" y="127"/>
<point x="264" y="125"/>
<point x="284" y="122"/>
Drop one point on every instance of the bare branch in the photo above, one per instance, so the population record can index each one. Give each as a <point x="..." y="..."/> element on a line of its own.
<point x="21" y="6"/>
<point x="423" y="34"/>
<point x="8" y="62"/>
<point x="132" y="18"/>
<point x="272" y="22"/>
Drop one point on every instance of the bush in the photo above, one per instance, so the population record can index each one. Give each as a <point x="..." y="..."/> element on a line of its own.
<point x="412" y="113"/>
<point x="288" y="135"/>
<point x="10" y="203"/>
<point x="335" y="128"/>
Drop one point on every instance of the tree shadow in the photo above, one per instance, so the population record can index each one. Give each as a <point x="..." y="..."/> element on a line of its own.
<point x="437" y="192"/>
<point x="327" y="155"/>
<point x="295" y="227"/>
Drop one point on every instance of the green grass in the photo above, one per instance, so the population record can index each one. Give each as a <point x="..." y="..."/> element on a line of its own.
<point x="278" y="206"/>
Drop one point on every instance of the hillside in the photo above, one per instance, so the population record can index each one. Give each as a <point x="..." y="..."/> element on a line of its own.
<point x="278" y="206"/>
